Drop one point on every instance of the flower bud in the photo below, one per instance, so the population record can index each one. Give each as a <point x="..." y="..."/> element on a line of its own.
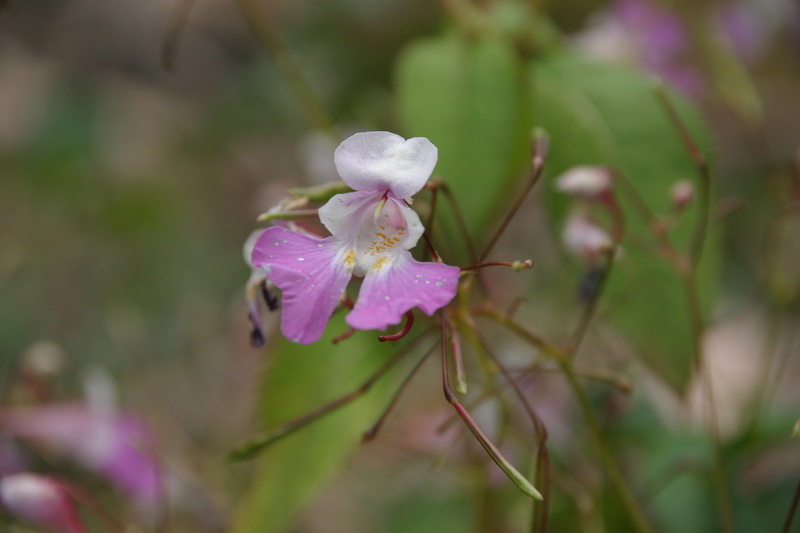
<point x="681" y="193"/>
<point x="585" y="238"/>
<point x="43" y="359"/>
<point x="584" y="181"/>
<point x="40" y="501"/>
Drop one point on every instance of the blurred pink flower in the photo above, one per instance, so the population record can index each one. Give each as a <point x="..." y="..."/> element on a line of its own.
<point x="40" y="501"/>
<point x="115" y="446"/>
<point x="663" y="42"/>
<point x="584" y="237"/>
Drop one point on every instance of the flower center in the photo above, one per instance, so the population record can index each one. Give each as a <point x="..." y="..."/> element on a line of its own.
<point x="385" y="238"/>
<point x="381" y="236"/>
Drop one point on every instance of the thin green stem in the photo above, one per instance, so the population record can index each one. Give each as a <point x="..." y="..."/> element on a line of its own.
<point x="510" y="471"/>
<point x="531" y="338"/>
<point x="179" y="16"/>
<point x="252" y="447"/>
<point x="540" y="150"/>
<point x="563" y="357"/>
<point x="615" y="475"/>
<point x="720" y="479"/>
<point x="704" y="176"/>
<point x="792" y="510"/>
<point x="461" y="222"/>
<point x="540" y="510"/>
<point x="689" y="274"/>
<point x="373" y="430"/>
<point x="518" y="266"/>
<point x="287" y="65"/>
<point x="591" y="307"/>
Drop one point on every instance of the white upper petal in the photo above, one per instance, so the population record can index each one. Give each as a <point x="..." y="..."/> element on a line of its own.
<point x="381" y="161"/>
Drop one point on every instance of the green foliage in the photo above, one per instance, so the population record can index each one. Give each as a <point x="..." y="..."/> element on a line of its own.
<point x="604" y="114"/>
<point x="299" y="379"/>
<point x="467" y="96"/>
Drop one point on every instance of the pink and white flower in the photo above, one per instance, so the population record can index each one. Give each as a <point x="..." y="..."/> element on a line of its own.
<point x="372" y="230"/>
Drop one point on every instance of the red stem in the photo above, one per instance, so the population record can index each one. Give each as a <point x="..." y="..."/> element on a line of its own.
<point x="403" y="332"/>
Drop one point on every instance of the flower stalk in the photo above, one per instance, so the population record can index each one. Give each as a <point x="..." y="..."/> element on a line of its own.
<point x="499" y="459"/>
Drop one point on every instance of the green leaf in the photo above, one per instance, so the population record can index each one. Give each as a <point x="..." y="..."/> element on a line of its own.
<point x="606" y="114"/>
<point x="467" y="96"/>
<point x="297" y="380"/>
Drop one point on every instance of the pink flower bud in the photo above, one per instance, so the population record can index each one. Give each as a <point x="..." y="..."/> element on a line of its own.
<point x="40" y="501"/>
<point x="585" y="238"/>
<point x="584" y="181"/>
<point x="681" y="193"/>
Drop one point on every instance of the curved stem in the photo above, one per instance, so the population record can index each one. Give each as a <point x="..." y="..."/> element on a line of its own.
<point x="403" y="332"/>
<point x="513" y="474"/>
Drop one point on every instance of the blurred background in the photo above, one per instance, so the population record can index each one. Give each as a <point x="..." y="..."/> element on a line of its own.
<point x="139" y="141"/>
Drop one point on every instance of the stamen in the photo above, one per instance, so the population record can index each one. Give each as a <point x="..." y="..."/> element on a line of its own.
<point x="379" y="209"/>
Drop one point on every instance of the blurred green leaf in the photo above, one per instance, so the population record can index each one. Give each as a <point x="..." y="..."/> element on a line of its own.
<point x="467" y="96"/>
<point x="605" y="114"/>
<point x="298" y="379"/>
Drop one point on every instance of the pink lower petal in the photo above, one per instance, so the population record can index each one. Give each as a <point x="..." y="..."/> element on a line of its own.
<point x="389" y="292"/>
<point x="312" y="273"/>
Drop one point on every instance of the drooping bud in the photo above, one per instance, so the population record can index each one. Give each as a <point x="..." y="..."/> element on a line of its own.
<point x="585" y="238"/>
<point x="585" y="181"/>
<point x="40" y="501"/>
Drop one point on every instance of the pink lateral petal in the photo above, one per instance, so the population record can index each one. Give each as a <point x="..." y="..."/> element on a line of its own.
<point x="388" y="293"/>
<point x="311" y="272"/>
